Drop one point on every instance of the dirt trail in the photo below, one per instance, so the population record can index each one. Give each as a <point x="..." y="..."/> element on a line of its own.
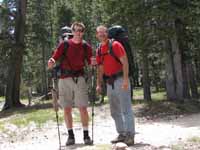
<point x="157" y="134"/>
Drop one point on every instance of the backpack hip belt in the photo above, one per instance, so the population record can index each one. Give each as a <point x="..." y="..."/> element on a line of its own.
<point x="111" y="79"/>
<point x="73" y="73"/>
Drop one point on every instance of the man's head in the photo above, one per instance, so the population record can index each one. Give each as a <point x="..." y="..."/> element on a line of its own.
<point x="102" y="33"/>
<point x="78" y="26"/>
<point x="78" y="29"/>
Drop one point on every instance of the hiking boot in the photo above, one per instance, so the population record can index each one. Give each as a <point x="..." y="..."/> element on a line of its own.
<point x="119" y="138"/>
<point x="70" y="141"/>
<point x="129" y="140"/>
<point x="88" y="141"/>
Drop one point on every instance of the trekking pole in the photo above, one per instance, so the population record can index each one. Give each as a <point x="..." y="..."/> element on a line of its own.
<point x="93" y="102"/>
<point x="58" y="130"/>
<point x="54" y="93"/>
<point x="93" y="98"/>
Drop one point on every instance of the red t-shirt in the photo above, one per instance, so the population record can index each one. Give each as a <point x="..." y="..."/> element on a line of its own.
<point x="75" y="56"/>
<point x="110" y="64"/>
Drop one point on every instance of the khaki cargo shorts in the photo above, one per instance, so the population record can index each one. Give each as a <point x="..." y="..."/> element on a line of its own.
<point x="73" y="94"/>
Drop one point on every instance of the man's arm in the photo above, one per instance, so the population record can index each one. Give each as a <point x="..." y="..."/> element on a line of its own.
<point x="121" y="54"/>
<point x="125" y="68"/>
<point x="56" y="55"/>
<point x="99" y="78"/>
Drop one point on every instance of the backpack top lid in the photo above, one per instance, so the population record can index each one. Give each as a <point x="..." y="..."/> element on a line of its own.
<point x="66" y="32"/>
<point x="117" y="32"/>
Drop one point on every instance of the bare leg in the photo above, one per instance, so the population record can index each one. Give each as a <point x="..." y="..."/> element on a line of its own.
<point x="68" y="117"/>
<point x="84" y="116"/>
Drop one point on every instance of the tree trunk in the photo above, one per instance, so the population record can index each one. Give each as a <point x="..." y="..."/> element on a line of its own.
<point x="174" y="70"/>
<point x="186" y="83"/>
<point x="13" y="80"/>
<point x="1" y="20"/>
<point x="177" y="59"/>
<point x="170" y="72"/>
<point x="184" y="57"/>
<point x="136" y="76"/>
<point x="45" y="86"/>
<point x="146" y="80"/>
<point x="177" y="80"/>
<point x="197" y="68"/>
<point x="44" y="78"/>
<point x="192" y="81"/>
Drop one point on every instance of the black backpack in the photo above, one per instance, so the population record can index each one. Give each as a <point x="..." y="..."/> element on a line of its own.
<point x="118" y="33"/>
<point x="66" y="32"/>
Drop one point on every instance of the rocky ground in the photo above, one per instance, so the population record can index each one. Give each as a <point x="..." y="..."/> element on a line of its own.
<point x="152" y="134"/>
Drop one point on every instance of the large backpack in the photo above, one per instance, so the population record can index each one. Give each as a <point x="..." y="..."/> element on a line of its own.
<point x="118" y="33"/>
<point x="66" y="32"/>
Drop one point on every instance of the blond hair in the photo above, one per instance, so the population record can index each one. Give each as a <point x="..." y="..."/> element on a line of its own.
<point x="79" y="24"/>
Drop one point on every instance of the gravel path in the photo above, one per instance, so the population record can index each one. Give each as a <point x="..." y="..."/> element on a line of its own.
<point x="151" y="134"/>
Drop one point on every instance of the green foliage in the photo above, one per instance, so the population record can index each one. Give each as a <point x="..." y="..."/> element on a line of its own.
<point x="65" y="16"/>
<point x="195" y="139"/>
<point x="2" y="98"/>
<point x="39" y="114"/>
<point x="103" y="147"/>
<point x="6" y="38"/>
<point x="39" y="41"/>
<point x="156" y="96"/>
<point x="177" y="147"/>
<point x="2" y="126"/>
<point x="191" y="143"/>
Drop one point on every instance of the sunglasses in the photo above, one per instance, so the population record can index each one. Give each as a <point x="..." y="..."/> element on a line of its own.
<point x="78" y="30"/>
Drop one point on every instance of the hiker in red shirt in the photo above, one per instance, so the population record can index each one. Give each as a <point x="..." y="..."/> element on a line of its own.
<point x="72" y="85"/>
<point x="113" y="69"/>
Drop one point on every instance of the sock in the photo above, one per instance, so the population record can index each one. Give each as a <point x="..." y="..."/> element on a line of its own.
<point x="71" y="133"/>
<point x="85" y="134"/>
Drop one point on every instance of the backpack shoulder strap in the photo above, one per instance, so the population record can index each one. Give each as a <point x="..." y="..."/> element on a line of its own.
<point x="111" y="50"/>
<point x="99" y="54"/>
<point x="99" y="49"/>
<point x="85" y="48"/>
<point x="84" y="44"/>
<point x="66" y="46"/>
